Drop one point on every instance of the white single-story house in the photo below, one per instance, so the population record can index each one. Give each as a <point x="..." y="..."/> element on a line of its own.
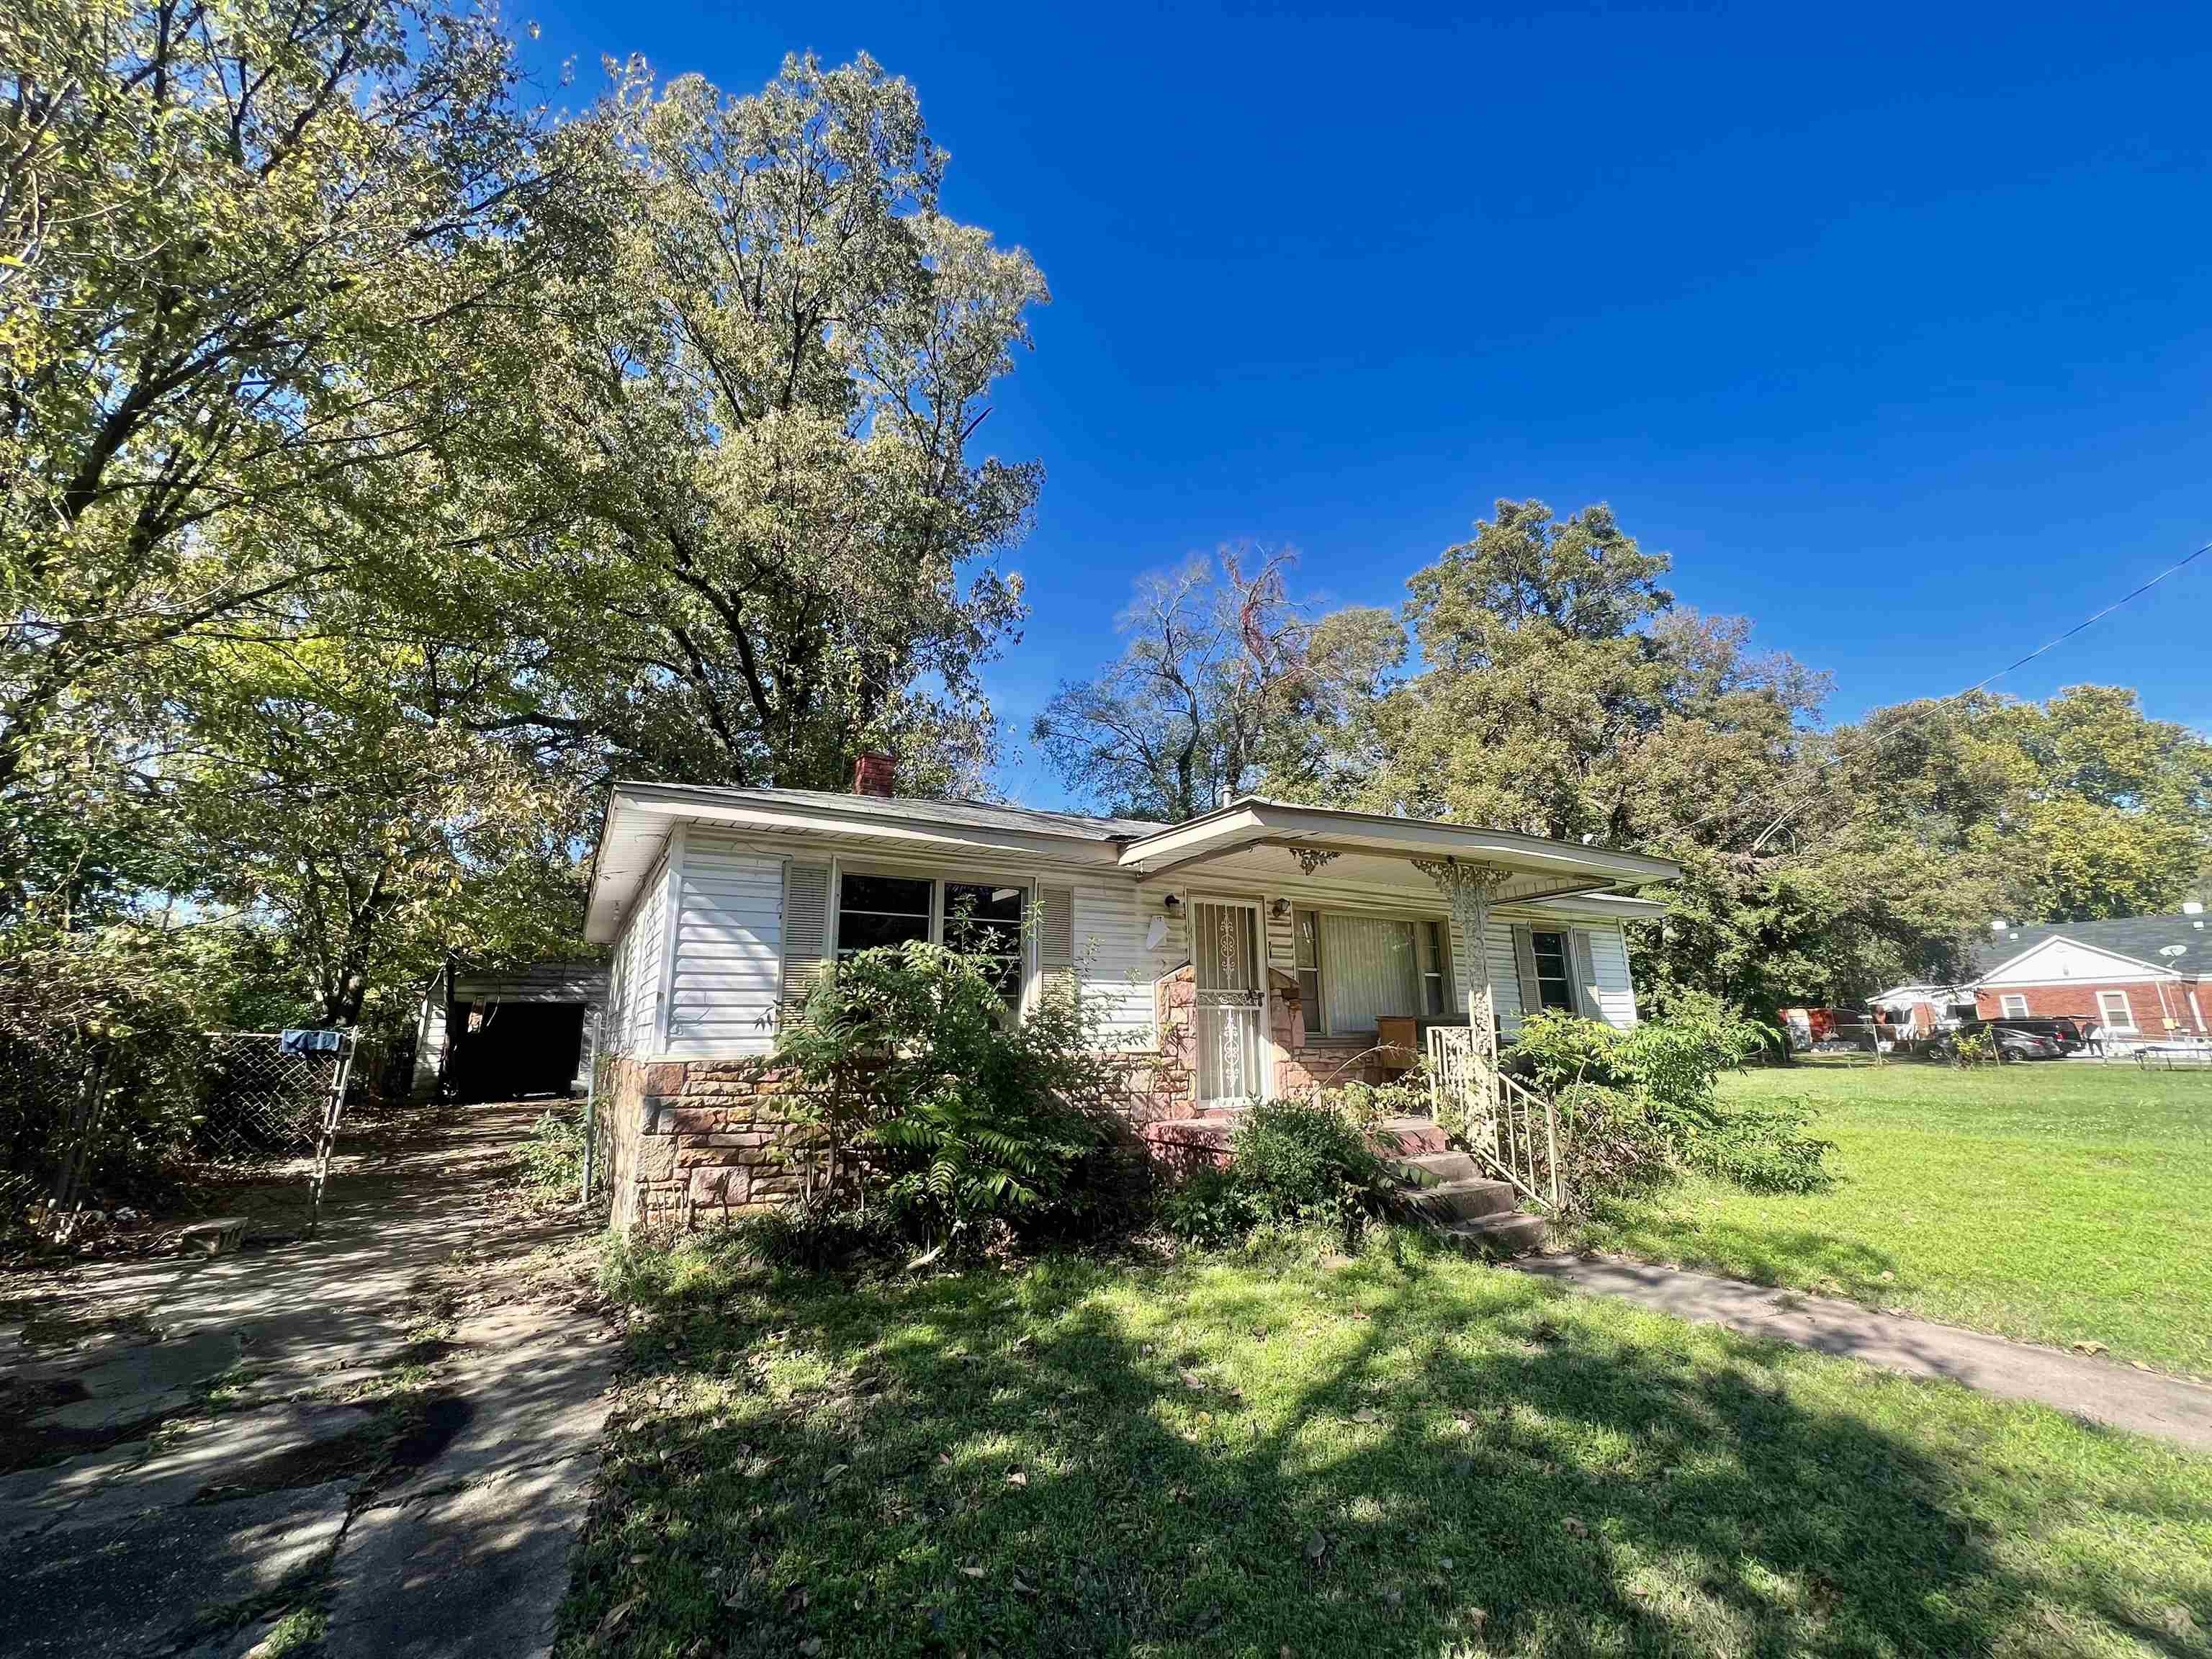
<point x="1250" y="951"/>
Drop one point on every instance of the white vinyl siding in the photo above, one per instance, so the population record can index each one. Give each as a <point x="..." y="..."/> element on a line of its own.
<point x="651" y="959"/>
<point x="1505" y="983"/>
<point x="1616" y="991"/>
<point x="1608" y="948"/>
<point x="729" y="948"/>
<point x="1114" y="971"/>
<point x="634" y="978"/>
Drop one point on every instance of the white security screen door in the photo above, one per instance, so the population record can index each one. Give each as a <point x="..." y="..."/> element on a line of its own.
<point x="1226" y="963"/>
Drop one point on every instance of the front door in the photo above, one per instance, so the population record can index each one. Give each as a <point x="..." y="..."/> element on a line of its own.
<point x="1226" y="965"/>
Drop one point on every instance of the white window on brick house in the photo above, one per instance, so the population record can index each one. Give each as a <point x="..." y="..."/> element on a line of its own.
<point x="2117" y="1016"/>
<point x="2013" y="1006"/>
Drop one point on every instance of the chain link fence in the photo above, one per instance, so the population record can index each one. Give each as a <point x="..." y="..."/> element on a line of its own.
<point x="88" y="1119"/>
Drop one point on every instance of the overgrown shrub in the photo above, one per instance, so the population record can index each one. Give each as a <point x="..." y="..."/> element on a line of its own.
<point x="1292" y="1163"/>
<point x="1301" y="1161"/>
<point x="1972" y="1049"/>
<point x="825" y="1232"/>
<point x="1632" y="1103"/>
<point x="1765" y="1149"/>
<point x="1406" y="1095"/>
<point x="1609" y="1144"/>
<point x="934" y="1099"/>
<point x="1206" y="1206"/>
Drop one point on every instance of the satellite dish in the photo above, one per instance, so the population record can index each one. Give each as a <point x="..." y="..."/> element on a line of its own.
<point x="2173" y="949"/>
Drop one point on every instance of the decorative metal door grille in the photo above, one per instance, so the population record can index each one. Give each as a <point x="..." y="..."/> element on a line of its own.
<point x="1226" y="963"/>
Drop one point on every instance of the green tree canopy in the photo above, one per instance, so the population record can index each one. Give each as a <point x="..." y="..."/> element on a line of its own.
<point x="788" y="550"/>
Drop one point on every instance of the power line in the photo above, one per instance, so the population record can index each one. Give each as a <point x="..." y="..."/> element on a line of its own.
<point x="1791" y="811"/>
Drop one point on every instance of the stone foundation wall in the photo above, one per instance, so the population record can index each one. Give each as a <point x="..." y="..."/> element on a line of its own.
<point x="689" y="1142"/>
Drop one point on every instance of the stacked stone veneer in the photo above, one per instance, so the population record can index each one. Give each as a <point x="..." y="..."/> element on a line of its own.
<point x="1302" y="1064"/>
<point x="687" y="1143"/>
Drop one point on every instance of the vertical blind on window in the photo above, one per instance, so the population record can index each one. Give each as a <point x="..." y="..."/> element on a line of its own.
<point x="1368" y="967"/>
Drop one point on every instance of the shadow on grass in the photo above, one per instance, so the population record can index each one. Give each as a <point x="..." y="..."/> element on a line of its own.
<point x="1764" y="1255"/>
<point x="1400" y="1456"/>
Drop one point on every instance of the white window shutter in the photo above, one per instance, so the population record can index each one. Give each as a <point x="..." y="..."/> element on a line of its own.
<point x="805" y="934"/>
<point x="1585" y="966"/>
<point x="1056" y="941"/>
<point x="1524" y="970"/>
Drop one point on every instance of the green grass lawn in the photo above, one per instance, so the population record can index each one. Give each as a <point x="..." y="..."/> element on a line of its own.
<point x="1402" y="1453"/>
<point x="2057" y="1203"/>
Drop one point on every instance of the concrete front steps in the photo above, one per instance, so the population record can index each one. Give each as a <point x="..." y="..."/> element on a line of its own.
<point x="1442" y="1187"/>
<point x="1447" y="1191"/>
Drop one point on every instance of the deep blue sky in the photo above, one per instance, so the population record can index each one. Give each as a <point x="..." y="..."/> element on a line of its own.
<point x="1892" y="329"/>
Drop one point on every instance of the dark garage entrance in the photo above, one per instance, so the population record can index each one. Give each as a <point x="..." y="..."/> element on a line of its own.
<point x="515" y="1050"/>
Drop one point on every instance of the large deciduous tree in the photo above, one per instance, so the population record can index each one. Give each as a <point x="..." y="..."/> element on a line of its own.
<point x="790" y="553"/>
<point x="267" y="318"/>
<point x="339" y="791"/>
<point x="1224" y="681"/>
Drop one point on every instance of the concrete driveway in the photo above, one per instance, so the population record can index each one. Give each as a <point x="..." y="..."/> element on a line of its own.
<point x="385" y="1430"/>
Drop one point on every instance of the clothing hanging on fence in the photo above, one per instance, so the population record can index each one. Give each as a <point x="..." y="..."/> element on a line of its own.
<point x="308" y="1042"/>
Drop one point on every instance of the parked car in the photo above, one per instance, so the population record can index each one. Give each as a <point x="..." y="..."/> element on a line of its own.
<point x="2065" y="1032"/>
<point x="2012" y="1042"/>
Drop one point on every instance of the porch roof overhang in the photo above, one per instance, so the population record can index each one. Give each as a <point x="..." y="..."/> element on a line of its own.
<point x="1544" y="869"/>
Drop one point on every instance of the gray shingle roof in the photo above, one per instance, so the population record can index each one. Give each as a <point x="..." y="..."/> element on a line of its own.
<point x="910" y="808"/>
<point x="2139" y="937"/>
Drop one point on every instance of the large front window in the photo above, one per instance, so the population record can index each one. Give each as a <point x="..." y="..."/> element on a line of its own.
<point x="985" y="921"/>
<point x="980" y="919"/>
<point x="873" y="911"/>
<point x="1354" y="969"/>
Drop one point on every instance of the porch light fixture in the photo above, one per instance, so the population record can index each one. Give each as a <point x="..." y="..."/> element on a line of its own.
<point x="1279" y="908"/>
<point x="1173" y="902"/>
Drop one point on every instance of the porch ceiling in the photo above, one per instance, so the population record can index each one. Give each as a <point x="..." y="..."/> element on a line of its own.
<point x="1384" y="849"/>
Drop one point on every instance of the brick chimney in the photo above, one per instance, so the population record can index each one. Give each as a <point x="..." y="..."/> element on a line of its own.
<point x="871" y="773"/>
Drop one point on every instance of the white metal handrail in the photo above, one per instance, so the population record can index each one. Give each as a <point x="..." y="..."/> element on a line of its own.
<point x="1508" y="1126"/>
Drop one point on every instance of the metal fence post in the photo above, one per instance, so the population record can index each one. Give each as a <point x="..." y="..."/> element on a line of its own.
<point x="333" y="1108"/>
<point x="590" y="1105"/>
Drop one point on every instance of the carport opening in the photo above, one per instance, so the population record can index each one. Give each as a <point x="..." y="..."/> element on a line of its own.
<point x="512" y="1050"/>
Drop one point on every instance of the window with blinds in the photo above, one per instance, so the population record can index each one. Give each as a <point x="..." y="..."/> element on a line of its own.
<point x="1354" y="969"/>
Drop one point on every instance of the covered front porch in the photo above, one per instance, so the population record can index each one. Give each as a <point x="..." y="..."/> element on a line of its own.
<point x="1317" y="947"/>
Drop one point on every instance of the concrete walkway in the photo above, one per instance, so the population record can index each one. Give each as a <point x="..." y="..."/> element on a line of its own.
<point x="193" y="1446"/>
<point x="2096" y="1390"/>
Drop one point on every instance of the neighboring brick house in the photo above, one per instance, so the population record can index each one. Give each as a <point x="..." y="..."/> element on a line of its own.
<point x="2136" y="976"/>
<point x="1259" y="949"/>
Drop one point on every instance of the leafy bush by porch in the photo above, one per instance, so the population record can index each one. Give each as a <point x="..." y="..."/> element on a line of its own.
<point x="1291" y="1163"/>
<point x="1634" y="1104"/>
<point x="931" y="1098"/>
